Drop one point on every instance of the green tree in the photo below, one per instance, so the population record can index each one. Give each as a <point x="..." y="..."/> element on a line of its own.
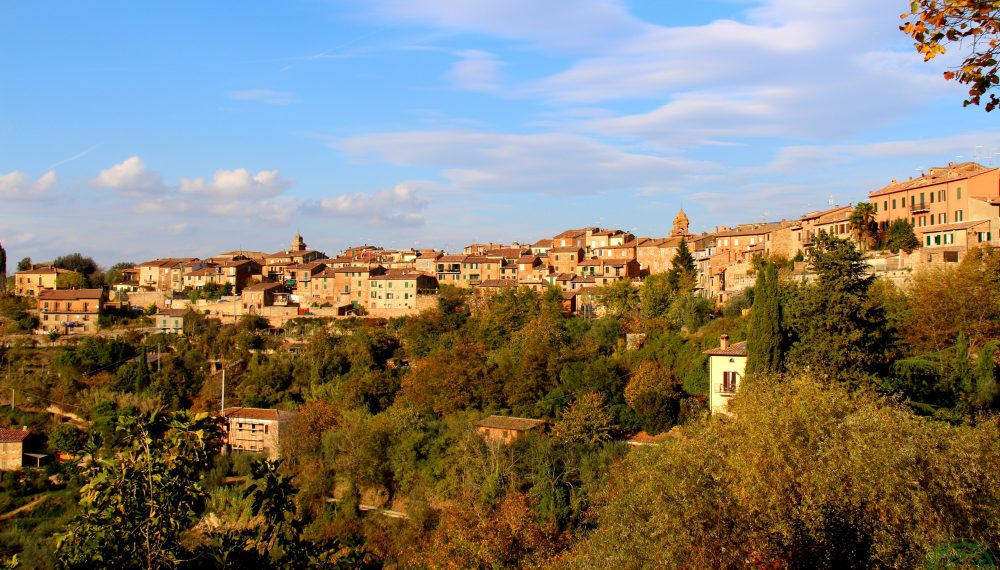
<point x="584" y="422"/>
<point x="619" y="297"/>
<point x="974" y="25"/>
<point x="863" y="225"/>
<point x="67" y="438"/>
<point x="70" y="281"/>
<point x="765" y="336"/>
<point x="85" y="266"/>
<point x="682" y="268"/>
<point x="838" y="330"/>
<point x="137" y="504"/>
<point x="656" y="295"/>
<point x="115" y="275"/>
<point x="24" y="264"/>
<point x="987" y="391"/>
<point x="808" y="475"/>
<point x="900" y="236"/>
<point x="3" y="269"/>
<point x="960" y="372"/>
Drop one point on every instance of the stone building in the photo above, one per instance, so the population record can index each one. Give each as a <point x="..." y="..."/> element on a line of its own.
<point x="258" y="430"/>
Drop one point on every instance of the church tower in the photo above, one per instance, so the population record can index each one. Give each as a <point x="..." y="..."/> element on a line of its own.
<point x="298" y="244"/>
<point x="681" y="224"/>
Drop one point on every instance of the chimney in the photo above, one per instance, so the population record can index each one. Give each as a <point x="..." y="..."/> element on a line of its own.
<point x="724" y="341"/>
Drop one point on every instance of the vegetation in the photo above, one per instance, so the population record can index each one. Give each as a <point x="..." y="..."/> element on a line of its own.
<point x="867" y="437"/>
<point x="901" y="237"/>
<point x="974" y="25"/>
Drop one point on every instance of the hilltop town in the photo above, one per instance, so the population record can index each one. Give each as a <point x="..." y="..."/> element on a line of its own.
<point x="941" y="215"/>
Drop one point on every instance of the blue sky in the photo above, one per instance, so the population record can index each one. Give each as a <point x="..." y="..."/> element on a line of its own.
<point x="135" y="130"/>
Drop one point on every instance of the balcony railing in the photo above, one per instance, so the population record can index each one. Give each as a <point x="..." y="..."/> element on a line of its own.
<point x="920" y="208"/>
<point x="727" y="388"/>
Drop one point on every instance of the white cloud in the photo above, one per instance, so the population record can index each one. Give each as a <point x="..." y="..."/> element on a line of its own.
<point x="555" y="164"/>
<point x="237" y="184"/>
<point x="132" y="177"/>
<point x="476" y="71"/>
<point x="266" y="96"/>
<point x="17" y="185"/>
<point x="401" y="204"/>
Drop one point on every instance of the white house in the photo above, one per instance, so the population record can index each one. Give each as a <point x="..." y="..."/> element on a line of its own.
<point x="726" y="366"/>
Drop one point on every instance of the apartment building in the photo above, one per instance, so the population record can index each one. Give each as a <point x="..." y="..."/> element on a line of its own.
<point x="31" y="282"/>
<point x="70" y="311"/>
<point x="257" y="430"/>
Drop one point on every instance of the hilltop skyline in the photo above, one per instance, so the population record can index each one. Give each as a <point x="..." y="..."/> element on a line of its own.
<point x="188" y="129"/>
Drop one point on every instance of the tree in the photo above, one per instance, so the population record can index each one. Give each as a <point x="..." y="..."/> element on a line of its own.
<point x="863" y="226"/>
<point x="985" y="375"/>
<point x="136" y="506"/>
<point x="807" y="475"/>
<point x="765" y="335"/>
<point x="72" y="280"/>
<point x="656" y="294"/>
<point x="67" y="438"/>
<point x="584" y="422"/>
<point x="838" y="330"/>
<point x="900" y="236"/>
<point x="115" y="275"/>
<point x="972" y="24"/>
<point x="682" y="267"/>
<point x="3" y="269"/>
<point x="619" y="298"/>
<point x="85" y="266"/>
<point x="24" y="264"/>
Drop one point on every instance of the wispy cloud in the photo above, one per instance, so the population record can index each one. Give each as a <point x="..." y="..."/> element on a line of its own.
<point x="266" y="96"/>
<point x="401" y="205"/>
<point x="77" y="156"/>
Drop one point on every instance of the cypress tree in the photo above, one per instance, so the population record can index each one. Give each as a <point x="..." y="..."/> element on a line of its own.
<point x="3" y="269"/>
<point x="764" y="337"/>
<point x="986" y="377"/>
<point x="960" y="376"/>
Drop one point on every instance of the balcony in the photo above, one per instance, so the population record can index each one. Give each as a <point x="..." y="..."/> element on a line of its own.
<point x="727" y="388"/>
<point x="920" y="208"/>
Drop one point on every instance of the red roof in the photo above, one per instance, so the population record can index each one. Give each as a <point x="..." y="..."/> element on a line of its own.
<point x="13" y="435"/>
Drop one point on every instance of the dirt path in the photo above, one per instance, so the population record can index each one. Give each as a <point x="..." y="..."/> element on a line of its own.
<point x="24" y="508"/>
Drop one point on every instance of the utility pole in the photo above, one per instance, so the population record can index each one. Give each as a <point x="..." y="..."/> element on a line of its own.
<point x="222" y="410"/>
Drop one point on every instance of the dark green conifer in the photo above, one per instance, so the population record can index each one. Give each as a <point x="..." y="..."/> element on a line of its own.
<point x="764" y="338"/>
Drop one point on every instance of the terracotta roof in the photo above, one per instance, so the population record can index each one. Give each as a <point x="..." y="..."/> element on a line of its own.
<point x="258" y="414"/>
<point x="262" y="287"/>
<point x="512" y="423"/>
<point x="452" y="258"/>
<point x="70" y="294"/>
<point x="542" y="243"/>
<point x="735" y="349"/>
<point x="173" y="312"/>
<point x="954" y="226"/>
<point x="566" y="249"/>
<point x="750" y="229"/>
<point x="498" y="283"/>
<point x="936" y="175"/>
<point x="13" y="435"/>
<point x="44" y="271"/>
<point x="821" y="213"/>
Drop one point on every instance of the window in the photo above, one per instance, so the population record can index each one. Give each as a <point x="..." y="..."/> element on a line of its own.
<point x="943" y="196"/>
<point x="943" y="218"/>
<point x="932" y="197"/>
<point x="928" y="240"/>
<point x="913" y="200"/>
<point x="937" y="239"/>
<point x="958" y="193"/>
<point x="885" y="205"/>
<point x="729" y="381"/>
<point x="959" y="215"/>
<point x="893" y="203"/>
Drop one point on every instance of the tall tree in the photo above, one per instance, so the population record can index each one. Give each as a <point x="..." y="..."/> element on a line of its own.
<point x="974" y="25"/>
<point x="24" y="264"/>
<point x="114" y="275"/>
<point x="985" y="373"/>
<point x="72" y="280"/>
<point x="838" y="330"/>
<point x="863" y="226"/>
<point x="3" y="269"/>
<point x="765" y="336"/>
<point x="683" y="261"/>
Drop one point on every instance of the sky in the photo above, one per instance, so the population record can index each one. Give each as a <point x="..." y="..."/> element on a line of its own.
<point x="136" y="130"/>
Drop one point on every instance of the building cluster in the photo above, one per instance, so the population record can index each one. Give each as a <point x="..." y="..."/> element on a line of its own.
<point x="952" y="209"/>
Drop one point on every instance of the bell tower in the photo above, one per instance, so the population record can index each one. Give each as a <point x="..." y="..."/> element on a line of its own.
<point x="298" y="244"/>
<point x="681" y="224"/>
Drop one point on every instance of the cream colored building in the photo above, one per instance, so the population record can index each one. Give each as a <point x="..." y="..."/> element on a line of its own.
<point x="257" y="430"/>
<point x="726" y="367"/>
<point x="31" y="282"/>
